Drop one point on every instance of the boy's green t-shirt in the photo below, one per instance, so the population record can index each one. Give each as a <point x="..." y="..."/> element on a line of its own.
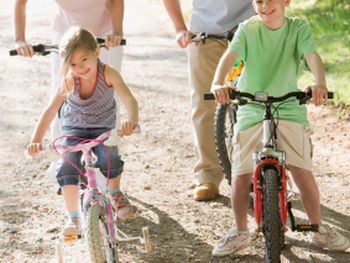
<point x="273" y="60"/>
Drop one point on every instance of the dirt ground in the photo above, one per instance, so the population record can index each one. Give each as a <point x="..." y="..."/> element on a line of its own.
<point x="158" y="173"/>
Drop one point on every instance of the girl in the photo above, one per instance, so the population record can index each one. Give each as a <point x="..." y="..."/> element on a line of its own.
<point x="87" y="88"/>
<point x="104" y="18"/>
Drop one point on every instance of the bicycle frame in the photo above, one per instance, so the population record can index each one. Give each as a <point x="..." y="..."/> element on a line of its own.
<point x="92" y="194"/>
<point x="269" y="156"/>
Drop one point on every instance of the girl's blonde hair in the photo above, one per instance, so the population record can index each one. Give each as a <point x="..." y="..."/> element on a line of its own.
<point x="74" y="39"/>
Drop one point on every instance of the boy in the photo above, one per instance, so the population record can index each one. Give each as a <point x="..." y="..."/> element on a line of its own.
<point x="272" y="47"/>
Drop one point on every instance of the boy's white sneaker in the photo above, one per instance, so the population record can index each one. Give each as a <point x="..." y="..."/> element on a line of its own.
<point x="329" y="238"/>
<point x="234" y="241"/>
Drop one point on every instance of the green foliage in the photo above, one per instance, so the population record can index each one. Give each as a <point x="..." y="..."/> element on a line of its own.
<point x="330" y="24"/>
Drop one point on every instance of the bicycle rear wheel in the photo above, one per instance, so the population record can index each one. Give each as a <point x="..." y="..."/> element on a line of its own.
<point x="101" y="248"/>
<point x="225" y="118"/>
<point x="272" y="224"/>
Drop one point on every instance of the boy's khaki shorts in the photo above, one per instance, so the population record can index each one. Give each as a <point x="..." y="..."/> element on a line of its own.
<point x="293" y="139"/>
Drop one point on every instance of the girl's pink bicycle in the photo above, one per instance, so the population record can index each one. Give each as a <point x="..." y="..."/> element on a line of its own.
<point x="101" y="230"/>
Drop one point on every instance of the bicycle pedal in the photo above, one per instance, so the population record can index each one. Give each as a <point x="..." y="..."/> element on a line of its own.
<point x="307" y="228"/>
<point x="291" y="196"/>
<point x="71" y="238"/>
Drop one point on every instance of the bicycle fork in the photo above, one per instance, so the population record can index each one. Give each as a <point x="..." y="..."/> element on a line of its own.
<point x="260" y="166"/>
<point x="269" y="157"/>
<point x="93" y="196"/>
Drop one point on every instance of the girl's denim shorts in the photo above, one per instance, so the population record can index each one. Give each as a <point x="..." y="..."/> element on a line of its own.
<point x="69" y="175"/>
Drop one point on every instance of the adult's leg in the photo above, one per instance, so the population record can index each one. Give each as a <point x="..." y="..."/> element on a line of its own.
<point x="114" y="57"/>
<point x="203" y="60"/>
<point x="56" y="126"/>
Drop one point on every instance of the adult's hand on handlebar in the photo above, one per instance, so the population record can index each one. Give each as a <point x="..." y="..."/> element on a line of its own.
<point x="183" y="38"/>
<point x="112" y="40"/>
<point x="319" y="94"/>
<point x="24" y="49"/>
<point x="222" y="93"/>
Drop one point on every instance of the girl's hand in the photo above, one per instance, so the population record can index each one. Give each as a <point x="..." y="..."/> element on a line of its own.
<point x="222" y="93"/>
<point x="127" y="128"/>
<point x="34" y="148"/>
<point x="24" y="49"/>
<point x="112" y="41"/>
<point x="319" y="94"/>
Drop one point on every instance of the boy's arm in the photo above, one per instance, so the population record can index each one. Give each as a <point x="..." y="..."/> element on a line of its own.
<point x="225" y="65"/>
<point x="183" y="36"/>
<point x="114" y="78"/>
<point x="43" y="124"/>
<point x="319" y="90"/>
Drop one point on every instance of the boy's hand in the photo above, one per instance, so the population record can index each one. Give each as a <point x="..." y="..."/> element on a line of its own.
<point x="222" y="93"/>
<point x="127" y="128"/>
<point x="319" y="94"/>
<point x="34" y="148"/>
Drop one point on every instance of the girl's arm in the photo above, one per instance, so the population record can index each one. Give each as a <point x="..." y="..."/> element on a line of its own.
<point x="225" y="65"/>
<point x="22" y="47"/>
<point x="114" y="78"/>
<point x="43" y="124"/>
<point x="319" y="90"/>
<point x="116" y="10"/>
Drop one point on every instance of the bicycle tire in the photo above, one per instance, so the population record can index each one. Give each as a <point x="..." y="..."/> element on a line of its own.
<point x="272" y="224"/>
<point x="225" y="118"/>
<point x="100" y="248"/>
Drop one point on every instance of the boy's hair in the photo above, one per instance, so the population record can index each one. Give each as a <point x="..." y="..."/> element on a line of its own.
<point x="74" y="39"/>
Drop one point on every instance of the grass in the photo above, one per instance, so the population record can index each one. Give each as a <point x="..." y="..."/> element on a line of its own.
<point x="330" y="24"/>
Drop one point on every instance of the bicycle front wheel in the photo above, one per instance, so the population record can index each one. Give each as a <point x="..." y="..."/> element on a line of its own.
<point x="272" y="224"/>
<point x="225" y="118"/>
<point x="101" y="248"/>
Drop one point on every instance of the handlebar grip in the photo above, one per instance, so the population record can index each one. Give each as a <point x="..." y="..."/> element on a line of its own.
<point x="123" y="42"/>
<point x="330" y="95"/>
<point x="13" y="52"/>
<point x="36" y="48"/>
<point x="102" y="41"/>
<point x="209" y="96"/>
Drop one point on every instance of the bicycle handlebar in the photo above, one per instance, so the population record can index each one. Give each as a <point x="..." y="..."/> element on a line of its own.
<point x="37" y="48"/>
<point x="43" y="49"/>
<point x="265" y="98"/>
<point x="202" y="36"/>
<point x="85" y="144"/>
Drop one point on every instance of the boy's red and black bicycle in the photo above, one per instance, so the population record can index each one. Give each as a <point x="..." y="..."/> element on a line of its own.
<point x="271" y="205"/>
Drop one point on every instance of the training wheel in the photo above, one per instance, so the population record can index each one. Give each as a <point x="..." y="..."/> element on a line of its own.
<point x="59" y="252"/>
<point x="147" y="239"/>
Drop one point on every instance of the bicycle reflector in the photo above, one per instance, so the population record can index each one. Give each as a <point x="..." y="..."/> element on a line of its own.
<point x="261" y="96"/>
